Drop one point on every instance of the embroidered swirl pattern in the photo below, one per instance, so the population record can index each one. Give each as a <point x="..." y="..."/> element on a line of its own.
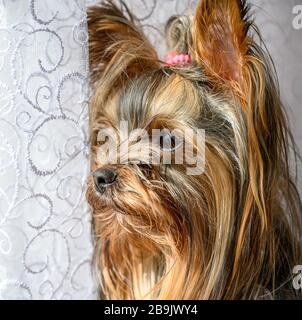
<point x="45" y="230"/>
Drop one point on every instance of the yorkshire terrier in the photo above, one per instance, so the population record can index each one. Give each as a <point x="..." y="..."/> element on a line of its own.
<point x="229" y="231"/>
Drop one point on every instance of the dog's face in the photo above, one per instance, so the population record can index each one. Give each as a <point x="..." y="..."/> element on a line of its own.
<point x="189" y="163"/>
<point x="148" y="156"/>
<point x="159" y="208"/>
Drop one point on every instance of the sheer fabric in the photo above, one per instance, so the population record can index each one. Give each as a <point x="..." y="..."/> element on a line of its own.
<point x="45" y="231"/>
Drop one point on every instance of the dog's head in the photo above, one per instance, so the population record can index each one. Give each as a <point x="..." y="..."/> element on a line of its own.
<point x="189" y="161"/>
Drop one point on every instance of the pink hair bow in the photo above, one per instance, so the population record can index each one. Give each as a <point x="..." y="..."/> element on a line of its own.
<point x="173" y="58"/>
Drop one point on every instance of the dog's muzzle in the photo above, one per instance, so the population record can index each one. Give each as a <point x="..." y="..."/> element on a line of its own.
<point x="104" y="178"/>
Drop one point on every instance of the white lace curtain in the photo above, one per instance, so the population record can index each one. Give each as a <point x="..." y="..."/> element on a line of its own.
<point x="45" y="232"/>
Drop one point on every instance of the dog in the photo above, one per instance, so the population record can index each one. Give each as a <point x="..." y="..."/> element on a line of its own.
<point x="231" y="230"/>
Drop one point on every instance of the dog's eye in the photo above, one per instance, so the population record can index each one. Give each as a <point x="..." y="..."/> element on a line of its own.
<point x="169" y="142"/>
<point x="101" y="141"/>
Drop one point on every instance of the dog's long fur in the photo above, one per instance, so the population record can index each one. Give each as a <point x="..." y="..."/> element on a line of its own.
<point x="232" y="232"/>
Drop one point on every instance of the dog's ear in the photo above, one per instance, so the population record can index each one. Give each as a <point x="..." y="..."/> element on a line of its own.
<point x="118" y="50"/>
<point x="219" y="36"/>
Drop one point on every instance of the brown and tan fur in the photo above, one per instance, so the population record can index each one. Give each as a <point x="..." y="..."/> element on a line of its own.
<point x="232" y="232"/>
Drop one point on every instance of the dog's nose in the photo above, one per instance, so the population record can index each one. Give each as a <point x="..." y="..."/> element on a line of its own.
<point x="104" y="178"/>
